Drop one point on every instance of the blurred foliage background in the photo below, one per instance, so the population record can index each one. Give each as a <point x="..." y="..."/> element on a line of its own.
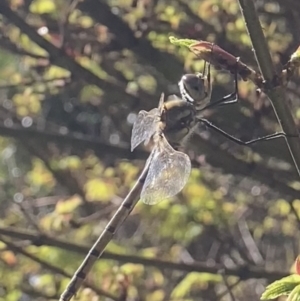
<point x="73" y="76"/>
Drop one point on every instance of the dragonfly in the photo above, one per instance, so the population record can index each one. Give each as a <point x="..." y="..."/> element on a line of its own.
<point x="167" y="169"/>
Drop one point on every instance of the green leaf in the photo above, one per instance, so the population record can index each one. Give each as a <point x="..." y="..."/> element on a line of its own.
<point x="182" y="42"/>
<point x="295" y="294"/>
<point x="281" y="287"/>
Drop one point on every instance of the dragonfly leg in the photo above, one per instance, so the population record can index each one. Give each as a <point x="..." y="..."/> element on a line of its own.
<point x="207" y="81"/>
<point x="232" y="97"/>
<point x="228" y="99"/>
<point x="242" y="142"/>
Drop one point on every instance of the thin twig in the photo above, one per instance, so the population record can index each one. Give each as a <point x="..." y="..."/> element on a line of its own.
<point x="31" y="219"/>
<point x="78" y="140"/>
<point x="229" y="290"/>
<point x="230" y="286"/>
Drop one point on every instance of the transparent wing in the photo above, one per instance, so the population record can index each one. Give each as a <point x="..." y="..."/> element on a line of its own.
<point x="145" y="124"/>
<point x="144" y="127"/>
<point x="168" y="173"/>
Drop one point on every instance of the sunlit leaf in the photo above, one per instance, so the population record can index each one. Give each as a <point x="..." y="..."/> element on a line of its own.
<point x="89" y="92"/>
<point x="295" y="294"/>
<point x="40" y="176"/>
<point x="157" y="295"/>
<point x="68" y="206"/>
<point x="98" y="189"/>
<point x="70" y="162"/>
<point x="42" y="6"/>
<point x="281" y="287"/>
<point x="56" y="72"/>
<point x="133" y="269"/>
<point x="182" y="42"/>
<point x="295" y="57"/>
<point x="192" y="280"/>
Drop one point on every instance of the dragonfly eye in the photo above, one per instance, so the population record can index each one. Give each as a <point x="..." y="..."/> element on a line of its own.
<point x="192" y="88"/>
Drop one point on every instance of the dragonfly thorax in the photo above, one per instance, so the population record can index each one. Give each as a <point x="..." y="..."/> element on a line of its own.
<point x="178" y="117"/>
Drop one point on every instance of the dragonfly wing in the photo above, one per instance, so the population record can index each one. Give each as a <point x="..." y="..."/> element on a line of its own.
<point x="168" y="173"/>
<point x="144" y="127"/>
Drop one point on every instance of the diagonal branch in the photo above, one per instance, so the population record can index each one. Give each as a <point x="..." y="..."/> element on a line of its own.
<point x="276" y="92"/>
<point x="243" y="272"/>
<point x="59" y="57"/>
<point x="78" y="141"/>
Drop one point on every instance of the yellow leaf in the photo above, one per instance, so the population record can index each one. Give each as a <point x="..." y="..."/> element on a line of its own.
<point x="56" y="72"/>
<point x="132" y="269"/>
<point x="195" y="190"/>
<point x="98" y="189"/>
<point x="157" y="295"/>
<point x="42" y="6"/>
<point x="39" y="175"/>
<point x="68" y="206"/>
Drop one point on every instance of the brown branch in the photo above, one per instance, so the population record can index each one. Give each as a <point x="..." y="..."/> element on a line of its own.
<point x="78" y="141"/>
<point x="29" y="217"/>
<point x="53" y="268"/>
<point x="276" y="92"/>
<point x="243" y="272"/>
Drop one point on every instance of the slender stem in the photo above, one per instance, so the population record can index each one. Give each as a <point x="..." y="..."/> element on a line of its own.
<point x="276" y="92"/>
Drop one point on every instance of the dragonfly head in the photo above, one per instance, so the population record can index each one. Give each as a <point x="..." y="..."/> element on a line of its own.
<point x="194" y="88"/>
